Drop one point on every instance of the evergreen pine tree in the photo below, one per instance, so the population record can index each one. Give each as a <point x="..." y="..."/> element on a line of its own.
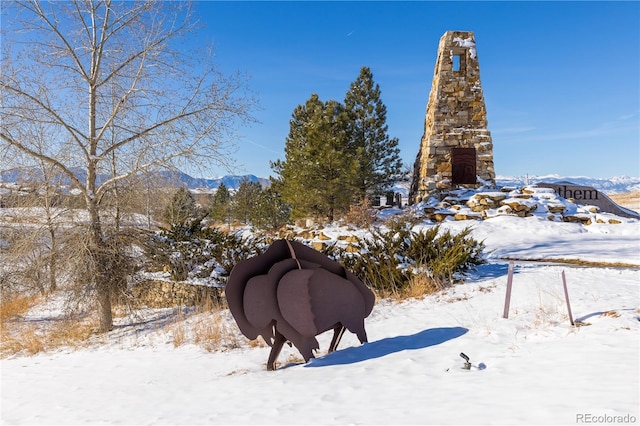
<point x="182" y="214"/>
<point x="270" y="212"/>
<point x="245" y="200"/>
<point x="221" y="205"/>
<point x="290" y="182"/>
<point x="317" y="171"/>
<point x="379" y="163"/>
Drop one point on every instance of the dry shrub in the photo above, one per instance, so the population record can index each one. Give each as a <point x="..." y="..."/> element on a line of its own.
<point x="208" y="334"/>
<point x="13" y="306"/>
<point x="28" y="341"/>
<point x="213" y="333"/>
<point x="257" y="343"/>
<point x="361" y="215"/>
<point x="421" y="285"/>
<point x="179" y="335"/>
<point x="70" y="332"/>
<point x="293" y="359"/>
<point x="178" y="330"/>
<point x="207" y="329"/>
<point x="32" y="339"/>
<point x="207" y="305"/>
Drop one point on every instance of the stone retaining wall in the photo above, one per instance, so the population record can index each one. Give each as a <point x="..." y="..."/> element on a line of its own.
<point x="164" y="294"/>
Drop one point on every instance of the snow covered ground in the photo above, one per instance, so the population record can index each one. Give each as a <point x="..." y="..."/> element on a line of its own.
<point x="531" y="368"/>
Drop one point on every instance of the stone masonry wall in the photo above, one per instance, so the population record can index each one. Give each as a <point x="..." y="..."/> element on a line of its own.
<point x="456" y="117"/>
<point x="163" y="294"/>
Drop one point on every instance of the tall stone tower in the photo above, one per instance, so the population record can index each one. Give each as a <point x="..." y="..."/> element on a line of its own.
<point x="456" y="148"/>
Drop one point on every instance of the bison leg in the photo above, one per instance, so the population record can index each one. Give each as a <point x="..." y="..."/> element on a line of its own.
<point x="275" y="351"/>
<point x="338" y="331"/>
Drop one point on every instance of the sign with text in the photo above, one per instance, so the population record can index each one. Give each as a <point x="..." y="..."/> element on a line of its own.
<point x="586" y="195"/>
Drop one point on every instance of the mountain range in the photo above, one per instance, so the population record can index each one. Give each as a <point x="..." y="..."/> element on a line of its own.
<point x="232" y="182"/>
<point x="614" y="185"/>
<point x="618" y="184"/>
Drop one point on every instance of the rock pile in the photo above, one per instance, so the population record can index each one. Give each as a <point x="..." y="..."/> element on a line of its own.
<point x="524" y="202"/>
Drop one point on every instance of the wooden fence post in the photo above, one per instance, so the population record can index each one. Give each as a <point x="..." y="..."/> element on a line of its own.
<point x="507" y="299"/>
<point x="566" y="296"/>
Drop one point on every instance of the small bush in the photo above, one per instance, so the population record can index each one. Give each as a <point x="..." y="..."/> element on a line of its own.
<point x="28" y="341"/>
<point x="18" y="336"/>
<point x="32" y="339"/>
<point x="12" y="306"/>
<point x="422" y="284"/>
<point x="209" y="254"/>
<point x="361" y="215"/>
<point x="70" y="332"/>
<point x="211" y="332"/>
<point x="378" y="263"/>
<point x="399" y="260"/>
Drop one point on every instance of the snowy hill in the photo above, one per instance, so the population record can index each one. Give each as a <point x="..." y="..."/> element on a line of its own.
<point x="531" y="368"/>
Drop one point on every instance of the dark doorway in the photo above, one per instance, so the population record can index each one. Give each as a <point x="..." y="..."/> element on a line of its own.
<point x="463" y="166"/>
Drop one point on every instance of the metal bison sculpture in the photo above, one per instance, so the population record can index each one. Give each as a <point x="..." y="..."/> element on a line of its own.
<point x="292" y="293"/>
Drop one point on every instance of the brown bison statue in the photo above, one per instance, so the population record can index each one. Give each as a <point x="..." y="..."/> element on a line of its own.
<point x="292" y="293"/>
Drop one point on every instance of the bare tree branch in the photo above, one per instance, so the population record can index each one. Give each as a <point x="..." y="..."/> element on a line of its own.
<point x="115" y="97"/>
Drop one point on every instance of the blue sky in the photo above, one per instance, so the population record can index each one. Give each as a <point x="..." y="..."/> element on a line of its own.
<point x="560" y="79"/>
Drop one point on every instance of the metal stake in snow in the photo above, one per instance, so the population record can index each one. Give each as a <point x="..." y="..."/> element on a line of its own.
<point x="566" y="296"/>
<point x="507" y="299"/>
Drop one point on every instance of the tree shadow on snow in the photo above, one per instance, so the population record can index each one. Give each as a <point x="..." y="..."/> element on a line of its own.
<point x="599" y="313"/>
<point x="390" y="345"/>
<point x="492" y="270"/>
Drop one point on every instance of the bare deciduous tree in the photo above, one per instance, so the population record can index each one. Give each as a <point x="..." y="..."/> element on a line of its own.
<point x="118" y="91"/>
